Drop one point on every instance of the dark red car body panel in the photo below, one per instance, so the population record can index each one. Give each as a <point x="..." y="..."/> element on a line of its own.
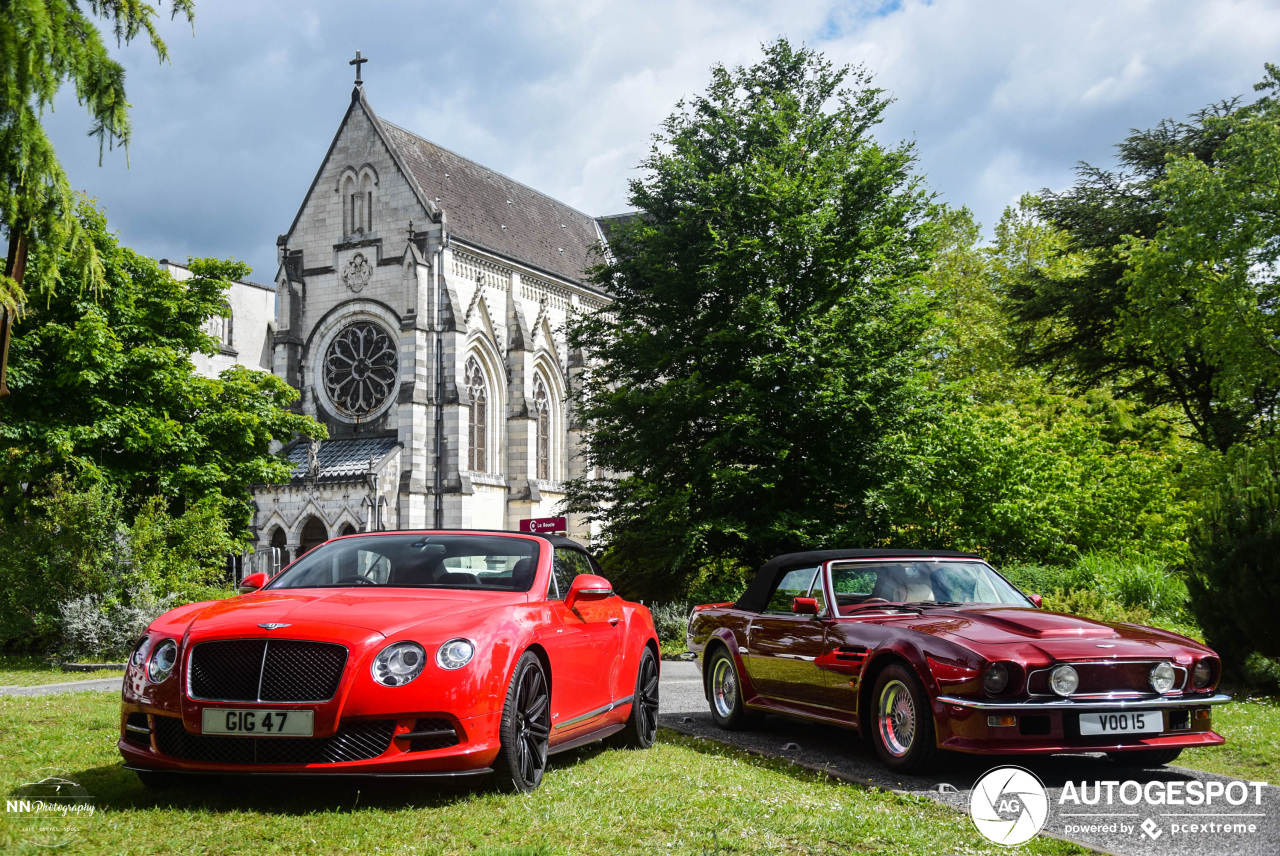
<point x="822" y="668"/>
<point x="592" y="653"/>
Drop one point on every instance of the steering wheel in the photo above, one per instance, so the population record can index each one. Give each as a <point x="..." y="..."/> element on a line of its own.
<point x="358" y="579"/>
<point x="873" y="600"/>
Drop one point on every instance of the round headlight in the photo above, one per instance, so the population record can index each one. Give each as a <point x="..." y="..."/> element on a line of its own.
<point x="455" y="654"/>
<point x="1202" y="674"/>
<point x="1162" y="677"/>
<point x="399" y="663"/>
<point x="163" y="659"/>
<point x="996" y="678"/>
<point x="140" y="650"/>
<point x="1063" y="680"/>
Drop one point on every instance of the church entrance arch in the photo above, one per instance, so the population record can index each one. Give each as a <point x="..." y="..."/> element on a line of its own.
<point x="313" y="535"/>
<point x="279" y="541"/>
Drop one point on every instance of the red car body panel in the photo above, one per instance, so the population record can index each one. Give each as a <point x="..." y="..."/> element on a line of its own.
<point x="592" y="653"/>
<point x="822" y="668"/>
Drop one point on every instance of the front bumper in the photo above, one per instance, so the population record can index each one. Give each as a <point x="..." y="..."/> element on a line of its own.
<point x="1048" y="726"/>
<point x="398" y="754"/>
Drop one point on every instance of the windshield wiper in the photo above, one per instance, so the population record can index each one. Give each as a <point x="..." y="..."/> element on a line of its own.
<point x="924" y="603"/>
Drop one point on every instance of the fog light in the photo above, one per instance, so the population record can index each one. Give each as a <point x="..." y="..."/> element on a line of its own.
<point x="1162" y="677"/>
<point x="995" y="679"/>
<point x="1002" y="721"/>
<point x="1063" y="680"/>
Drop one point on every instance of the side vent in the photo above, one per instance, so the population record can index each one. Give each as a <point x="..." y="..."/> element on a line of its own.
<point x="854" y="655"/>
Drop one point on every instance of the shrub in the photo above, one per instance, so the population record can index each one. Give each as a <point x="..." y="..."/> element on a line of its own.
<point x="75" y="563"/>
<point x="105" y="628"/>
<point x="671" y="620"/>
<point x="1234" y="569"/>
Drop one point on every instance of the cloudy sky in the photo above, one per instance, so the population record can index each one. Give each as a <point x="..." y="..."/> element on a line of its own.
<point x="1000" y="97"/>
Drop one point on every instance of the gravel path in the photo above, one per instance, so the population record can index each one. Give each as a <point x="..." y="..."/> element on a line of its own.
<point x="101" y="684"/>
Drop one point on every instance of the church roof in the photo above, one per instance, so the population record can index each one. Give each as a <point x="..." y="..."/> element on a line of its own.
<point x="496" y="213"/>
<point x="341" y="458"/>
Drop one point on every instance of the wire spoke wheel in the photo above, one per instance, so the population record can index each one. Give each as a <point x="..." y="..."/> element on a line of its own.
<point x="897" y="718"/>
<point x="724" y="687"/>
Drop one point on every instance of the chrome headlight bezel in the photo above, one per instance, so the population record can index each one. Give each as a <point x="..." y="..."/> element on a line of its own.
<point x="398" y="664"/>
<point x="1162" y="677"/>
<point x="1064" y="680"/>
<point x="141" y="649"/>
<point x="455" y="654"/>
<point x="995" y="679"/>
<point x="162" y="661"/>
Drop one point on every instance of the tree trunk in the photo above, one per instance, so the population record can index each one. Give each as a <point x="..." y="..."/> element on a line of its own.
<point x="14" y="267"/>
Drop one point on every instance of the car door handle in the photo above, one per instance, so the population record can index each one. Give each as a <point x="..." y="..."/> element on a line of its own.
<point x="614" y="621"/>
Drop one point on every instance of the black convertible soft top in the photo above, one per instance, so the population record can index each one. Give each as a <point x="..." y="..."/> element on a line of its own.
<point x="757" y="594"/>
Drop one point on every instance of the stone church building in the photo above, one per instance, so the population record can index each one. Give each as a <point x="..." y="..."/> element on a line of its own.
<point x="421" y="305"/>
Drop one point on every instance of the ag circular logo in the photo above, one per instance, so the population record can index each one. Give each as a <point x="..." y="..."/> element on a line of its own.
<point x="1009" y="805"/>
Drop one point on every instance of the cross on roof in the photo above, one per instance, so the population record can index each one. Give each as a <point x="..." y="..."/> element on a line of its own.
<point x="357" y="62"/>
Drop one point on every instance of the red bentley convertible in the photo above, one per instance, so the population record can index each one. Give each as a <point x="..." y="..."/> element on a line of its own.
<point x="396" y="653"/>
<point x="924" y="651"/>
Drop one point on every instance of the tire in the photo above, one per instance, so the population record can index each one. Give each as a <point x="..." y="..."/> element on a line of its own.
<point x="902" y="729"/>
<point x="1145" y="757"/>
<point x="525" y="728"/>
<point x="642" y="725"/>
<point x="155" y="780"/>
<point x="724" y="693"/>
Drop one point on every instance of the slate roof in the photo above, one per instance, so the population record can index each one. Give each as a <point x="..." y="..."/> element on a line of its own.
<point x="478" y="202"/>
<point x="341" y="458"/>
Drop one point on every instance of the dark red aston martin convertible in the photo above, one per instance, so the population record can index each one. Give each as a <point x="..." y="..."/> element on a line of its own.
<point x="926" y="651"/>
<point x="396" y="653"/>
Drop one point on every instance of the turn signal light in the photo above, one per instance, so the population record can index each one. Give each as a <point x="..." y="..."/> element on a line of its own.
<point x="1002" y="721"/>
<point x="1202" y="715"/>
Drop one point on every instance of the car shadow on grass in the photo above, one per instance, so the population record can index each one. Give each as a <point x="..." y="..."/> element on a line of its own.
<point x="114" y="788"/>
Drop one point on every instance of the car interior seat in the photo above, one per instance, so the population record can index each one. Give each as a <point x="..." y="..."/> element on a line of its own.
<point x="902" y="583"/>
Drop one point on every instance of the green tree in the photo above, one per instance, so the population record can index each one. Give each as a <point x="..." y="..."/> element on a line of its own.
<point x="767" y="328"/>
<point x="103" y="384"/>
<point x="46" y="44"/>
<point x="1207" y="280"/>
<point x="1078" y="321"/>
<point x="1234" y="569"/>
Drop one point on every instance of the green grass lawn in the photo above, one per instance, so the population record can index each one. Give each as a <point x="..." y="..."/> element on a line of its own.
<point x="28" y="671"/>
<point x="1252" y="750"/>
<point x="682" y="797"/>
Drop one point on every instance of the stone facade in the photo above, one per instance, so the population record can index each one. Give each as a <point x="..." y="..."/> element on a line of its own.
<point x="245" y="335"/>
<point x="422" y="305"/>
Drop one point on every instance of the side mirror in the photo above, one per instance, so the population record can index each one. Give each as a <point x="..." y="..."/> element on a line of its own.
<point x="1036" y="599"/>
<point x="587" y="587"/>
<point x="253" y="582"/>
<point x="805" y="606"/>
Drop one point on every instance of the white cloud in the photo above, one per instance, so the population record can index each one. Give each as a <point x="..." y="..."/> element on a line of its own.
<point x="1000" y="97"/>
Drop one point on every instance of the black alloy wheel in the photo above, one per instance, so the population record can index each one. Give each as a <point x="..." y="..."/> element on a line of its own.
<point x="641" y="728"/>
<point x="526" y="728"/>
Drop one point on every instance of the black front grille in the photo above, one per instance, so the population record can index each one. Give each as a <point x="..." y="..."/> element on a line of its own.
<point x="270" y="670"/>
<point x="354" y="741"/>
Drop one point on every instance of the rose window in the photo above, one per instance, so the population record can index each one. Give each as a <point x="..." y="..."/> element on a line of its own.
<point x="360" y="369"/>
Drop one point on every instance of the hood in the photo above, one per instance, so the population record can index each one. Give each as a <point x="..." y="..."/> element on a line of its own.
<point x="1058" y="635"/>
<point x="385" y="611"/>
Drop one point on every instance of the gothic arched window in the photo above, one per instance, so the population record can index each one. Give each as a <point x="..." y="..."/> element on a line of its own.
<point x="542" y="416"/>
<point x="477" y="414"/>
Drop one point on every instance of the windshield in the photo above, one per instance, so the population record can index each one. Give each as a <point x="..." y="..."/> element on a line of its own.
<point x="919" y="583"/>
<point x="482" y="562"/>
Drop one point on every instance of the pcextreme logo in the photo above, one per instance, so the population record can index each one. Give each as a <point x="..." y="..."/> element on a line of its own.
<point x="1009" y="805"/>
